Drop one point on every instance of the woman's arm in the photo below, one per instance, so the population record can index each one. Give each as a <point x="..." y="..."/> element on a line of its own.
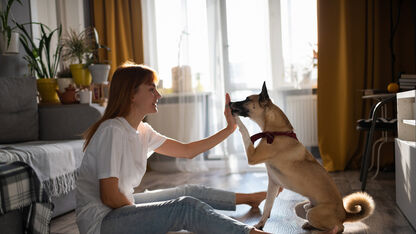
<point x="110" y="195"/>
<point x="181" y="150"/>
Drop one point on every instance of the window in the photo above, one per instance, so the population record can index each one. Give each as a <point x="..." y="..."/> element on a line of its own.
<point x="233" y="46"/>
<point x="263" y="40"/>
<point x="248" y="43"/>
<point x="181" y="39"/>
<point x="299" y="37"/>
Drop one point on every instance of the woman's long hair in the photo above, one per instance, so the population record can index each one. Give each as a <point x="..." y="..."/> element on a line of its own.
<point x="124" y="84"/>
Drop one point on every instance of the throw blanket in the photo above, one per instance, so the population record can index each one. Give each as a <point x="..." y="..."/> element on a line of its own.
<point x="55" y="162"/>
<point x="20" y="188"/>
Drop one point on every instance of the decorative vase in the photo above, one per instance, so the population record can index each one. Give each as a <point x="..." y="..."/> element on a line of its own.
<point x="181" y="79"/>
<point x="13" y="47"/>
<point x="99" y="73"/>
<point x="47" y="88"/>
<point x="80" y="75"/>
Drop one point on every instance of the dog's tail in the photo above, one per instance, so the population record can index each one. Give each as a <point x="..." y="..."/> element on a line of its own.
<point x="358" y="206"/>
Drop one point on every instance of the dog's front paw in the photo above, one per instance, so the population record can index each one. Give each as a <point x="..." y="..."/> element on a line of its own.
<point x="241" y="126"/>
<point x="238" y="121"/>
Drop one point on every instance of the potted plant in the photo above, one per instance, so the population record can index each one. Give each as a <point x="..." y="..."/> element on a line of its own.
<point x="43" y="60"/>
<point x="99" y="69"/>
<point x="78" y="47"/>
<point x="9" y="40"/>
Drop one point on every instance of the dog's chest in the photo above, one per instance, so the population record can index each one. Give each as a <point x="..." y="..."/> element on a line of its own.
<point x="275" y="174"/>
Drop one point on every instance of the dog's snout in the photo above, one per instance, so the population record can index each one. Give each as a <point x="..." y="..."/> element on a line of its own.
<point x="233" y="110"/>
<point x="238" y="108"/>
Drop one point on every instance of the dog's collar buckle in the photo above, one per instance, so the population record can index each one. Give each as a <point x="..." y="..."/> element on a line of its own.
<point x="270" y="136"/>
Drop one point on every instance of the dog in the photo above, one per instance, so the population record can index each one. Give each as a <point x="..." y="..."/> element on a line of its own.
<point x="290" y="165"/>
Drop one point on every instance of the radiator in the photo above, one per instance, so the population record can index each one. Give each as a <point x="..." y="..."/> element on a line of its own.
<point x="301" y="111"/>
<point x="182" y="117"/>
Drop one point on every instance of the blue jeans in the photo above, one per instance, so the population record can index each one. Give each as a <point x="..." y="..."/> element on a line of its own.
<point x="189" y="207"/>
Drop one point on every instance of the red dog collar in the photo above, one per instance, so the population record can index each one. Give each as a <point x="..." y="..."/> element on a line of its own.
<point x="270" y="136"/>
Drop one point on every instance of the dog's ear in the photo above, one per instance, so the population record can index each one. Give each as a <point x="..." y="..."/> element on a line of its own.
<point x="264" y="96"/>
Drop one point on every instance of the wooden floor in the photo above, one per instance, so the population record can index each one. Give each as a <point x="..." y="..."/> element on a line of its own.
<point x="387" y="218"/>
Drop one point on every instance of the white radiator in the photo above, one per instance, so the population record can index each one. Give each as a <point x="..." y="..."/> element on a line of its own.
<point x="301" y="111"/>
<point x="181" y="117"/>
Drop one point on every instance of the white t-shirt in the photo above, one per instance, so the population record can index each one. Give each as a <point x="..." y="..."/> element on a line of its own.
<point x="115" y="150"/>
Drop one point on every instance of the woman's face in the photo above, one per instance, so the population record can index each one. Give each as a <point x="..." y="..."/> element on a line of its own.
<point x="145" y="99"/>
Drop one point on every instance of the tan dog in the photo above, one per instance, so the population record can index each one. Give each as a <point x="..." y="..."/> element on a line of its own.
<point x="289" y="165"/>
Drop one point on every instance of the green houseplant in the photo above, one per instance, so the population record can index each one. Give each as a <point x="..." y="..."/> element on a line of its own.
<point x="99" y="69"/>
<point x="77" y="49"/>
<point x="43" y="60"/>
<point x="9" y="40"/>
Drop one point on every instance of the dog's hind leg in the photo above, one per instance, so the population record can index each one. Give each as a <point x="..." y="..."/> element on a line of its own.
<point x="322" y="218"/>
<point x="301" y="209"/>
<point x="273" y="190"/>
<point x="333" y="231"/>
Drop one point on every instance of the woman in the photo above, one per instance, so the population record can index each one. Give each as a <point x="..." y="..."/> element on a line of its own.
<point x="116" y="149"/>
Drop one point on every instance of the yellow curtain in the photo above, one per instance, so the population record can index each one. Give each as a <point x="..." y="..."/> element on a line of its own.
<point x="354" y="54"/>
<point x="119" y="25"/>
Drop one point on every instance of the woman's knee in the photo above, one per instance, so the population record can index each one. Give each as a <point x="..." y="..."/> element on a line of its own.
<point x="190" y="189"/>
<point x="193" y="203"/>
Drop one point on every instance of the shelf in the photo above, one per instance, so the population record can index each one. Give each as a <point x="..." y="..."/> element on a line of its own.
<point x="411" y="144"/>
<point x="406" y="94"/>
<point x="406" y="126"/>
<point x="405" y="155"/>
<point x="405" y="175"/>
<point x="411" y="122"/>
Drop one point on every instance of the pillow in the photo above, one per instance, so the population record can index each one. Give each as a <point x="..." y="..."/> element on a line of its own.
<point x="18" y="109"/>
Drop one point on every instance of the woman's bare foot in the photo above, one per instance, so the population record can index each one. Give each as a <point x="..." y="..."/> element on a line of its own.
<point x="251" y="199"/>
<point x="255" y="231"/>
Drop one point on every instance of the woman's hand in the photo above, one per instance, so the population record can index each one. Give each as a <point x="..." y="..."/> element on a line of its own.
<point x="231" y="124"/>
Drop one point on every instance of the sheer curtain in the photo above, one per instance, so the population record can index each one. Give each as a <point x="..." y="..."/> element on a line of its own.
<point x="205" y="48"/>
<point x="176" y="45"/>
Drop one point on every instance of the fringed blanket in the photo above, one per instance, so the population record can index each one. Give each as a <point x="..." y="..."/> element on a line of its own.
<point x="20" y="188"/>
<point x="55" y="162"/>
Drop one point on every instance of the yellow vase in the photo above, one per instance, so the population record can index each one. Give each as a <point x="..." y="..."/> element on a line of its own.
<point x="80" y="75"/>
<point x="47" y="88"/>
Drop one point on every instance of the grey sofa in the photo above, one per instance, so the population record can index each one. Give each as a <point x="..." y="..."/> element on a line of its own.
<point x="47" y="137"/>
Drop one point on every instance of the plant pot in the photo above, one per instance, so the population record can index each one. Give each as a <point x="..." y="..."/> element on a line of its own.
<point x="47" y="88"/>
<point x="80" y="75"/>
<point x="99" y="73"/>
<point x="13" y="46"/>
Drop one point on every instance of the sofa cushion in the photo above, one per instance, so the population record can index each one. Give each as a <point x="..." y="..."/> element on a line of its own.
<point x="64" y="122"/>
<point x="18" y="109"/>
